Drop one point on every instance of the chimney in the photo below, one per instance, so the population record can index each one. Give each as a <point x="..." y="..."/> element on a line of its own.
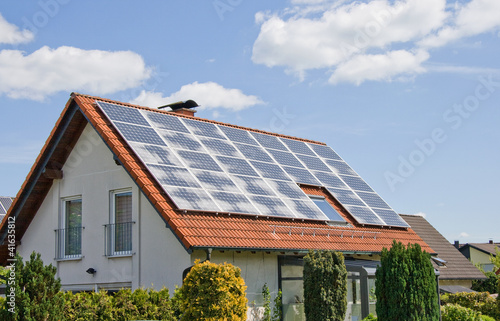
<point x="182" y="107"/>
<point x="491" y="242"/>
<point x="457" y="244"/>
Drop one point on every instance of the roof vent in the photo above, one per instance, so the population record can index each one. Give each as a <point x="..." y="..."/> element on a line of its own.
<point x="182" y="107"/>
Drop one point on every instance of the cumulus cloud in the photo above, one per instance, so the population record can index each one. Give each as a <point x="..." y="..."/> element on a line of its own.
<point x="48" y="71"/>
<point x="10" y="34"/>
<point x="207" y="95"/>
<point x="379" y="67"/>
<point x="393" y="35"/>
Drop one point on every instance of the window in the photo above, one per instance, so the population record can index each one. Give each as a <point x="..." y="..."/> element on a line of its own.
<point x="69" y="235"/>
<point x="119" y="231"/>
<point x="326" y="208"/>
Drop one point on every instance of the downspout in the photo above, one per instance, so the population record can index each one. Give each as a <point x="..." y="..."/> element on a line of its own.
<point x="437" y="289"/>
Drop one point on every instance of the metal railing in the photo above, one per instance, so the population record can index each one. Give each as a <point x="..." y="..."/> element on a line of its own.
<point x="69" y="243"/>
<point x="118" y="239"/>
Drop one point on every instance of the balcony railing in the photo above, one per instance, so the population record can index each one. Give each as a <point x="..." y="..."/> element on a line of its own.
<point x="118" y="239"/>
<point x="69" y="243"/>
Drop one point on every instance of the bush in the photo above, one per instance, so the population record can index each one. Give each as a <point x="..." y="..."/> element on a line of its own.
<point x="213" y="292"/>
<point x="487" y="318"/>
<point x="325" y="286"/>
<point x="481" y="302"/>
<point x="370" y="317"/>
<point x="488" y="285"/>
<point x="405" y="285"/>
<point x="88" y="306"/>
<point x="455" y="312"/>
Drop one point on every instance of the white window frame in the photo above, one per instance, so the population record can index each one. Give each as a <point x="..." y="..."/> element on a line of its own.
<point x="61" y="247"/>
<point x="112" y="220"/>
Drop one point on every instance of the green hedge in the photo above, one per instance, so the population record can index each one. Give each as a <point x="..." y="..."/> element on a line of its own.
<point x="455" y="312"/>
<point x="480" y="301"/>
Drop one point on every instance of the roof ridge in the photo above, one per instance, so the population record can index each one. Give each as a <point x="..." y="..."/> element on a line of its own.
<point x="198" y="118"/>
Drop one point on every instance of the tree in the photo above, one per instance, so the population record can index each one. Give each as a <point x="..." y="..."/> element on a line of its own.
<point x="495" y="259"/>
<point x="325" y="286"/>
<point x="405" y="285"/>
<point x="37" y="294"/>
<point x="213" y="292"/>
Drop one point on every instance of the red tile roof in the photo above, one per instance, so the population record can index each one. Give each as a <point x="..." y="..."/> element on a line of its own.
<point x="199" y="230"/>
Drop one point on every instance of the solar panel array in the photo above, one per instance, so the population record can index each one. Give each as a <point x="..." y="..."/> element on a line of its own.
<point x="208" y="167"/>
<point x="5" y="203"/>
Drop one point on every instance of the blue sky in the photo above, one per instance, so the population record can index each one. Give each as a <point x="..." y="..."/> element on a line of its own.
<point x="407" y="92"/>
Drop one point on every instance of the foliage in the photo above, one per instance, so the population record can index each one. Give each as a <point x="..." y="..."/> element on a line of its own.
<point x="495" y="259"/>
<point x="266" y="298"/>
<point x="481" y="302"/>
<point x="4" y="271"/>
<point x="406" y="285"/>
<point x="488" y="285"/>
<point x="487" y="318"/>
<point x="455" y="312"/>
<point x="88" y="306"/>
<point x="325" y="286"/>
<point x="370" y="317"/>
<point x="37" y="292"/>
<point x="213" y="292"/>
<point x="278" y="307"/>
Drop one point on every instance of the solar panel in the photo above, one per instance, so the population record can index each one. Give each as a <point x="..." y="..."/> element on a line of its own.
<point x="306" y="208"/>
<point x="238" y="135"/>
<point x="253" y="185"/>
<point x="364" y="215"/>
<point x="203" y="129"/>
<point x="313" y="163"/>
<point x="356" y="183"/>
<point x="340" y="167"/>
<point x="2" y="210"/>
<point x="297" y="147"/>
<point x="373" y="200"/>
<point x="123" y="114"/>
<point x="324" y="151"/>
<point x="215" y="181"/>
<point x="173" y="176"/>
<point x="254" y="152"/>
<point x="269" y="141"/>
<point x="139" y="134"/>
<point x="6" y="202"/>
<point x="233" y="203"/>
<point x="269" y="170"/>
<point x="345" y="197"/>
<point x="181" y="140"/>
<point x="285" y="158"/>
<point x="330" y="180"/>
<point x="199" y="160"/>
<point x="287" y="189"/>
<point x="302" y="176"/>
<point x="156" y="154"/>
<point x="219" y="147"/>
<point x="191" y="199"/>
<point x="390" y="217"/>
<point x="164" y="121"/>
<point x="236" y="166"/>
<point x="271" y="206"/>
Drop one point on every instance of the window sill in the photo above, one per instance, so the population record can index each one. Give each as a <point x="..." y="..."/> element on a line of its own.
<point x="119" y="255"/>
<point x="62" y="259"/>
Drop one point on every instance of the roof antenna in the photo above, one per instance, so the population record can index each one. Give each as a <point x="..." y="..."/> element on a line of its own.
<point x="181" y="105"/>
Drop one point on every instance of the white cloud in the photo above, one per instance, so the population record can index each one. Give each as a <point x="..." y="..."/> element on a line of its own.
<point x="464" y="234"/>
<point x="421" y="214"/>
<point x="10" y="34"/>
<point x="379" y="67"/>
<point x="48" y="71"/>
<point x="207" y="95"/>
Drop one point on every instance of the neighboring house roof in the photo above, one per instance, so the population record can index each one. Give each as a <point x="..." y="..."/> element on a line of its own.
<point x="487" y="248"/>
<point x="193" y="229"/>
<point x="5" y="203"/>
<point x="454" y="289"/>
<point x="457" y="266"/>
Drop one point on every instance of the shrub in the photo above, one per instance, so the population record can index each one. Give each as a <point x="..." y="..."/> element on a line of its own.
<point x="88" y="306"/>
<point x="455" y="312"/>
<point x="37" y="292"/>
<point x="370" y="317"/>
<point x="480" y="301"/>
<point x="487" y="318"/>
<point x="488" y="285"/>
<point x="325" y="286"/>
<point x="278" y="307"/>
<point x="213" y="292"/>
<point x="405" y="285"/>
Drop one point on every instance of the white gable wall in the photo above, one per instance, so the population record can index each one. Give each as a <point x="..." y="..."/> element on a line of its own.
<point x="91" y="173"/>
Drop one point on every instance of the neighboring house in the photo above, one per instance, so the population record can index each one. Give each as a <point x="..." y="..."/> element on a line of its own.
<point x="479" y="253"/>
<point x="5" y="203"/>
<point x="456" y="273"/>
<point x="128" y="196"/>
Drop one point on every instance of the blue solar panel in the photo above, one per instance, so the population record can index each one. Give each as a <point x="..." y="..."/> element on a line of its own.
<point x="140" y="134"/>
<point x="156" y="154"/>
<point x="325" y="151"/>
<point x="254" y="152"/>
<point x="313" y="163"/>
<point x="236" y="166"/>
<point x="164" y="121"/>
<point x="238" y="135"/>
<point x="173" y="176"/>
<point x="306" y="208"/>
<point x="253" y="185"/>
<point x="181" y="140"/>
<point x="373" y="200"/>
<point x="6" y="202"/>
<point x="330" y="180"/>
<point x="390" y="217"/>
<point x="269" y="141"/>
<point x="269" y="170"/>
<point x="356" y="183"/>
<point x="199" y="160"/>
<point x="215" y="181"/>
<point x="123" y="114"/>
<point x="298" y="147"/>
<point x="203" y="129"/>
<point x="219" y="147"/>
<point x="302" y="176"/>
<point x="285" y="158"/>
<point x="364" y="215"/>
<point x="287" y="189"/>
<point x="233" y="203"/>
<point x="340" y="167"/>
<point x="345" y="197"/>
<point x="191" y="199"/>
<point x="271" y="206"/>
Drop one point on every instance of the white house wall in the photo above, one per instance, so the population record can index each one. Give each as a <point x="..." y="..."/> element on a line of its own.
<point x="91" y="172"/>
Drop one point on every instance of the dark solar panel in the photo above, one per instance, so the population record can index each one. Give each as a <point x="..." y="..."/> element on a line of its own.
<point x="306" y="208"/>
<point x="269" y="170"/>
<point x="154" y="154"/>
<point x="356" y="183"/>
<point x="219" y="147"/>
<point x="330" y="180"/>
<point x="233" y="203"/>
<point x="199" y="160"/>
<point x="271" y="206"/>
<point x="287" y="189"/>
<point x="254" y="152"/>
<point x="363" y="215"/>
<point x="373" y="200"/>
<point x="340" y="167"/>
<point x="253" y="185"/>
<point x="269" y="141"/>
<point x="236" y="166"/>
<point x="191" y="199"/>
<point x="302" y="176"/>
<point x="298" y="147"/>
<point x="325" y="151"/>
<point x="345" y="197"/>
<point x="390" y="217"/>
<point x="238" y="135"/>
<point x="173" y="176"/>
<point x="314" y="163"/>
<point x="140" y="134"/>
<point x="164" y="121"/>
<point x="123" y="114"/>
<point x="215" y="181"/>
<point x="285" y="158"/>
<point x="203" y="129"/>
<point x="181" y="140"/>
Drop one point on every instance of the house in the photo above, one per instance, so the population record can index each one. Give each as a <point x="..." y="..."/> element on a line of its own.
<point x="123" y="196"/>
<point x="479" y="253"/>
<point x="5" y="203"/>
<point x="456" y="273"/>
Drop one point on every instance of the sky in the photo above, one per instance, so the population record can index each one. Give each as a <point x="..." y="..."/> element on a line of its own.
<point x="407" y="92"/>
